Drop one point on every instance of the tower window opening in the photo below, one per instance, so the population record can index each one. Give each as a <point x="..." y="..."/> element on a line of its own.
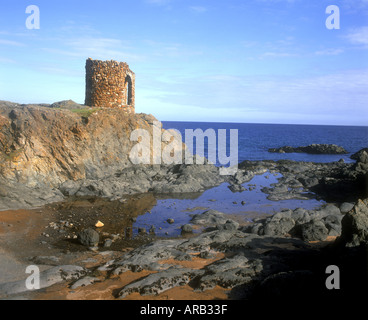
<point x="128" y="86"/>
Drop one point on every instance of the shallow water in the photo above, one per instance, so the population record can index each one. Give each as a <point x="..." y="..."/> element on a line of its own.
<point x="220" y="198"/>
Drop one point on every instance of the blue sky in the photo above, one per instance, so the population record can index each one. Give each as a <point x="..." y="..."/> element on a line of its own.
<point x="261" y="61"/>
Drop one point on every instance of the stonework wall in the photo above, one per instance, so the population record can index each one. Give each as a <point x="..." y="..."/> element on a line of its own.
<point x="110" y="84"/>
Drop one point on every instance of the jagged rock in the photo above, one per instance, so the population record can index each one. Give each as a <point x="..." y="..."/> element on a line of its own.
<point x="358" y="155"/>
<point x="146" y="257"/>
<point x="187" y="228"/>
<point x="346" y="207"/>
<point x="86" y="281"/>
<point x="363" y="157"/>
<point x="108" y="243"/>
<point x="89" y="237"/>
<point x="333" y="225"/>
<point x="156" y="283"/>
<point x="328" y="210"/>
<point x="209" y="218"/>
<point x="229" y="273"/>
<point x="228" y="225"/>
<point x="236" y="188"/>
<point x="355" y="225"/>
<point x="315" y="230"/>
<point x="300" y="216"/>
<point x="184" y="257"/>
<point x="362" y="163"/>
<point x="278" y="227"/>
<point x="312" y="225"/>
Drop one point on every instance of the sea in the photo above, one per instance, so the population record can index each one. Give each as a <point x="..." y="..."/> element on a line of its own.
<point x="254" y="140"/>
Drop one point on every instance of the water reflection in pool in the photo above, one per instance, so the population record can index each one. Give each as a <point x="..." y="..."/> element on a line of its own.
<point x="244" y="205"/>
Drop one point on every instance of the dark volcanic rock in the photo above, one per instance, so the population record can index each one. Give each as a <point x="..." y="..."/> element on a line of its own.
<point x="308" y="225"/>
<point x="229" y="273"/>
<point x="346" y="207"/>
<point x="187" y="228"/>
<point x="357" y="155"/>
<point x="89" y="237"/>
<point x="355" y="225"/>
<point x="228" y="225"/>
<point x="156" y="283"/>
<point x="333" y="225"/>
<point x="314" y="230"/>
<point x="209" y="218"/>
<point x="278" y="226"/>
<point x="311" y="149"/>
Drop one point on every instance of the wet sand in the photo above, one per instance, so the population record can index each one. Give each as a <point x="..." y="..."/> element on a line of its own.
<point x="19" y="240"/>
<point x="23" y="242"/>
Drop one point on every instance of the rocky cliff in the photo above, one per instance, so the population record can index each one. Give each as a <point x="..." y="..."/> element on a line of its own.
<point x="42" y="147"/>
<point x="46" y="149"/>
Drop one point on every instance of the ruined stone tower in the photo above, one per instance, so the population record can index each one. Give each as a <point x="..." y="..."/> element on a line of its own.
<point x="110" y="84"/>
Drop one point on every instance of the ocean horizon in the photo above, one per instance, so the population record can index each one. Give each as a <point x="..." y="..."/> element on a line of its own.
<point x="254" y="139"/>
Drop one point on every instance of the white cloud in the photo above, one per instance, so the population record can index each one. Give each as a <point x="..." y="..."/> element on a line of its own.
<point x="329" y="52"/>
<point x="358" y="36"/>
<point x="281" y="48"/>
<point x="96" y="48"/>
<point x="354" y="5"/>
<point x="11" y="43"/>
<point x="277" y="55"/>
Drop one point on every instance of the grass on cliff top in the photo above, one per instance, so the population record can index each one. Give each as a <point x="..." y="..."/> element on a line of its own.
<point x="85" y="112"/>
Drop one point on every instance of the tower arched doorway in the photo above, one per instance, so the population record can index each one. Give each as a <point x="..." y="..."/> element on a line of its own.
<point x="128" y="90"/>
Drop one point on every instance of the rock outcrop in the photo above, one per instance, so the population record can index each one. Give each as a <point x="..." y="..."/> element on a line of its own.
<point x="47" y="153"/>
<point x="41" y="148"/>
<point x="311" y="149"/>
<point x="41" y="145"/>
<point x="355" y="225"/>
<point x="308" y="225"/>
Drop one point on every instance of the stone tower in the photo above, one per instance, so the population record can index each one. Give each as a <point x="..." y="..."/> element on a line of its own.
<point x="110" y="84"/>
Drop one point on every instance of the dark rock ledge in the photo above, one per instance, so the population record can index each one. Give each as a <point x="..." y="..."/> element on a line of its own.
<point x="311" y="149"/>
